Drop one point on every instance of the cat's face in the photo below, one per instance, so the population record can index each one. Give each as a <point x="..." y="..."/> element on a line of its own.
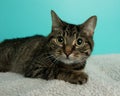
<point x="70" y="43"/>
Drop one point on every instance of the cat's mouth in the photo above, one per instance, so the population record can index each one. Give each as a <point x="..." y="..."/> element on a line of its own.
<point x="68" y="60"/>
<point x="71" y="60"/>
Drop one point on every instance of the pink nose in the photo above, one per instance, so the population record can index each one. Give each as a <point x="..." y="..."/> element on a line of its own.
<point x="68" y="53"/>
<point x="68" y="50"/>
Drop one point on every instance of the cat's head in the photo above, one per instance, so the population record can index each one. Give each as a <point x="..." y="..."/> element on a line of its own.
<point x="70" y="43"/>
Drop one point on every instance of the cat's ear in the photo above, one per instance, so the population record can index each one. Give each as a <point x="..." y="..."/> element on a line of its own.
<point x="56" y="21"/>
<point x="89" y="25"/>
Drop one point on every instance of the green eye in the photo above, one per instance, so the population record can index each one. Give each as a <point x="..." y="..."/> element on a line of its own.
<point x="60" y="39"/>
<point x="79" y="41"/>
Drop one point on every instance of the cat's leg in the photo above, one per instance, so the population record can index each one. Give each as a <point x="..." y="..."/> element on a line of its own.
<point x="75" y="77"/>
<point x="45" y="69"/>
<point x="39" y="71"/>
<point x="40" y="67"/>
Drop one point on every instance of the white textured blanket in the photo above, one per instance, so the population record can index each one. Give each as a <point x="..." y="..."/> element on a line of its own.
<point x="104" y="80"/>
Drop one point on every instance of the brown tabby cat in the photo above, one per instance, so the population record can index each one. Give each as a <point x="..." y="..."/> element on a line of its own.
<point x="61" y="55"/>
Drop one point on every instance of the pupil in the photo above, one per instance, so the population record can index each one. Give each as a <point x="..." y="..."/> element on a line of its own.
<point x="79" y="41"/>
<point x="60" y="39"/>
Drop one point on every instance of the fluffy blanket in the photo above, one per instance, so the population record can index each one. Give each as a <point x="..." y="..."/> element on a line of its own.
<point x="104" y="80"/>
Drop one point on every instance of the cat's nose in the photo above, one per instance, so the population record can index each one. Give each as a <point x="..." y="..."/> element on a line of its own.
<point x="68" y="51"/>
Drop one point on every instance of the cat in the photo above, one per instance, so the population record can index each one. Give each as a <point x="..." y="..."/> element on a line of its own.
<point x="61" y="55"/>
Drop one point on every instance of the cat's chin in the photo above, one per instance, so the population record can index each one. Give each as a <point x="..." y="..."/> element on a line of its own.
<point x="68" y="61"/>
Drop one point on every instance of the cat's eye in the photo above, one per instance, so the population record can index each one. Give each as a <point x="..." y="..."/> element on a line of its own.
<point x="79" y="41"/>
<point x="60" y="39"/>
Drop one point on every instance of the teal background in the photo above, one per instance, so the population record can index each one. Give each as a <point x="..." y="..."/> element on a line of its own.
<point x="20" y="18"/>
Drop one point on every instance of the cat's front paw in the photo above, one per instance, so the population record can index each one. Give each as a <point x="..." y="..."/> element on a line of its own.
<point x="79" y="78"/>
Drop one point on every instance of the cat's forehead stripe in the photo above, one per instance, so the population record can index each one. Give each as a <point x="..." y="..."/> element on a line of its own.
<point x="70" y="30"/>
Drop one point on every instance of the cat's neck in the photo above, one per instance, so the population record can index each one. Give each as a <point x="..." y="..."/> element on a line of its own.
<point x="77" y="66"/>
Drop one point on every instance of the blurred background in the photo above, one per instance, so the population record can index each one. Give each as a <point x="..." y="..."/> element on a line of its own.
<point x="20" y="18"/>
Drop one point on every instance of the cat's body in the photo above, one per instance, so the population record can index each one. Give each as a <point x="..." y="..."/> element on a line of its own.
<point x="15" y="53"/>
<point x="60" y="55"/>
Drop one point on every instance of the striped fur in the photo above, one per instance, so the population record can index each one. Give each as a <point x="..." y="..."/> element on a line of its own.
<point x="61" y="55"/>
